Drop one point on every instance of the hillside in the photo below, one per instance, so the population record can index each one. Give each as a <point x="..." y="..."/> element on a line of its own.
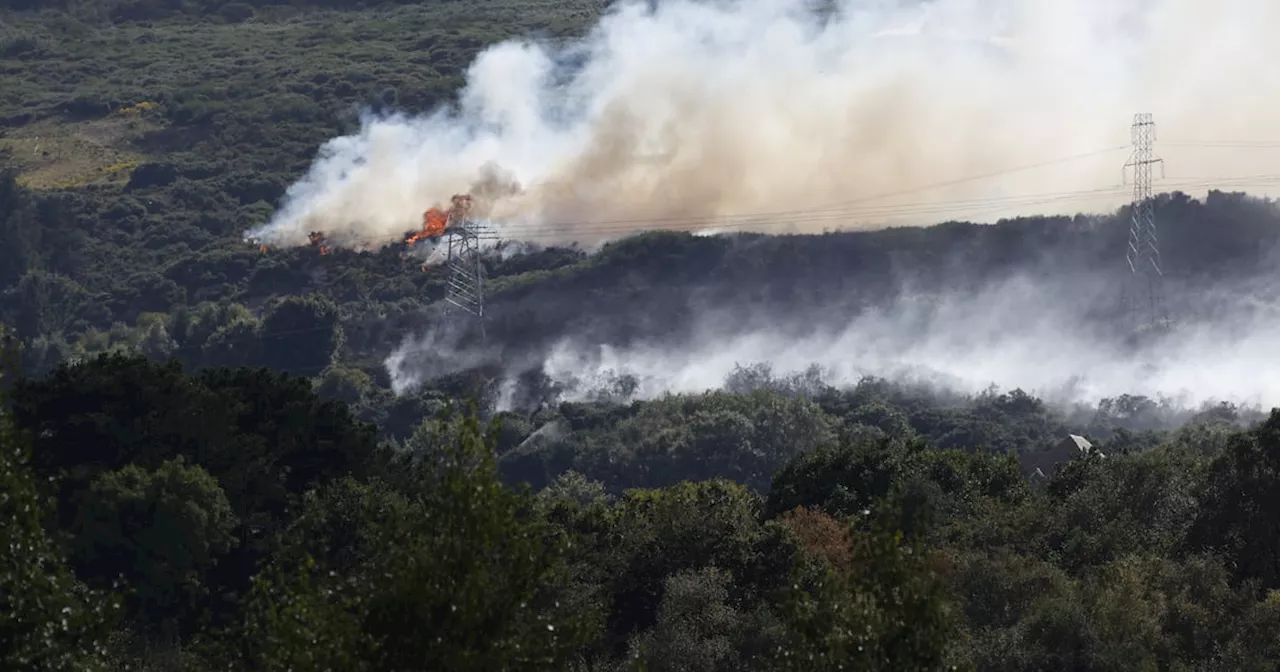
<point x="144" y="139"/>
<point x="742" y="451"/>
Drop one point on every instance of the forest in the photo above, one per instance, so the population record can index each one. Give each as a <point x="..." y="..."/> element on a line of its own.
<point x="206" y="466"/>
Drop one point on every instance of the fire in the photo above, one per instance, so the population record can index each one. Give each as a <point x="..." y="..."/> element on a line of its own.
<point x="436" y="221"/>
<point x="317" y="240"/>
<point x="262" y="248"/>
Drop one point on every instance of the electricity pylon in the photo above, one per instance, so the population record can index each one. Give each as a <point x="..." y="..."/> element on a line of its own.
<point x="1144" y="291"/>
<point x="465" y="287"/>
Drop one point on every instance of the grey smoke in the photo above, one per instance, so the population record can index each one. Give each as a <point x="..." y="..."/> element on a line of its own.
<point x="686" y="114"/>
<point x="682" y="113"/>
<point x="440" y="352"/>
<point x="1021" y="332"/>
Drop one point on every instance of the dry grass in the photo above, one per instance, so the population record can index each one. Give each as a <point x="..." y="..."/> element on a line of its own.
<point x="55" y="154"/>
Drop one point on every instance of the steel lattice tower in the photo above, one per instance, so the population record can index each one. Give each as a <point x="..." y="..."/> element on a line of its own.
<point x="465" y="289"/>
<point x="1144" y="294"/>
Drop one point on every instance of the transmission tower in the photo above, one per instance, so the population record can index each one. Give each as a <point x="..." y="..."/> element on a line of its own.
<point x="1144" y="293"/>
<point x="465" y="288"/>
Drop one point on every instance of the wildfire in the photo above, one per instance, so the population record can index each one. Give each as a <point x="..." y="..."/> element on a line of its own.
<point x="317" y="240"/>
<point x="436" y="221"/>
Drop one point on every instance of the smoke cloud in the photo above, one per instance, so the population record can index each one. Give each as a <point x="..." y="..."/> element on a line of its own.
<point x="1002" y="336"/>
<point x="771" y="114"/>
<point x="1020" y="332"/>
<point x="776" y="116"/>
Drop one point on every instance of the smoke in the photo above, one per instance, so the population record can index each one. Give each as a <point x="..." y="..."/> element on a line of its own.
<point x="1021" y="332"/>
<point x="776" y="116"/>
<point x="436" y="354"/>
<point x="768" y="113"/>
<point x="1003" y="337"/>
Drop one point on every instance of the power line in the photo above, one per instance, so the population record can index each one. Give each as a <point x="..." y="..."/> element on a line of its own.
<point x="1047" y="199"/>
<point x="844" y="211"/>
<point x="836" y="209"/>
<point x="1229" y="144"/>
<point x="827" y="213"/>
<point x="535" y="232"/>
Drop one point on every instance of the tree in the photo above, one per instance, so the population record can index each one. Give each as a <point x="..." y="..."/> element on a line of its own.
<point x="844" y="480"/>
<point x="48" y="621"/>
<point x="1242" y="488"/>
<point x="235" y="343"/>
<point x="301" y="334"/>
<point x="161" y="531"/>
<point x="344" y="384"/>
<point x="697" y="628"/>
<point x="459" y="575"/>
<point x="265" y="437"/>
<point x="655" y="534"/>
<point x="19" y="229"/>
<point x="885" y="610"/>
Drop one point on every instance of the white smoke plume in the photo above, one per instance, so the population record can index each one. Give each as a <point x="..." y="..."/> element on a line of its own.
<point x="1001" y="337"/>
<point x="686" y="114"/>
<point x="1021" y="332"/>
<point x="1008" y="335"/>
<point x="439" y="352"/>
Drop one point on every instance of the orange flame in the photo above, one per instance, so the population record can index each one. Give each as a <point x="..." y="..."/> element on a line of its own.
<point x="262" y="248"/>
<point x="436" y="221"/>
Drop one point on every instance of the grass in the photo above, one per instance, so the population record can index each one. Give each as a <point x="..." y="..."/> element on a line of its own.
<point x="66" y="155"/>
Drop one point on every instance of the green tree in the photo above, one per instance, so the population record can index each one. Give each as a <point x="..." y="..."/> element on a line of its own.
<point x="235" y="343"/>
<point x="887" y="609"/>
<point x="48" y="620"/>
<point x="301" y="334"/>
<point x="160" y="531"/>
<point x="697" y="629"/>
<point x="19" y="229"/>
<point x="462" y="577"/>
<point x="345" y="384"/>
<point x="1243" y="488"/>
<point x="844" y="480"/>
<point x="655" y="534"/>
<point x="265" y="437"/>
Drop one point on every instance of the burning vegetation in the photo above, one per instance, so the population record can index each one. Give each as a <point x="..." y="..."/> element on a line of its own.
<point x="318" y="240"/>
<point x="436" y="221"/>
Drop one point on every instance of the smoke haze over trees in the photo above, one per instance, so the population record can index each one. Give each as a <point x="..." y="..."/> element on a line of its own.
<point x="1031" y="303"/>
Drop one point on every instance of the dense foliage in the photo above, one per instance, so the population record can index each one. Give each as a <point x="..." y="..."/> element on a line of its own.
<point x="202" y="466"/>
<point x="274" y="533"/>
